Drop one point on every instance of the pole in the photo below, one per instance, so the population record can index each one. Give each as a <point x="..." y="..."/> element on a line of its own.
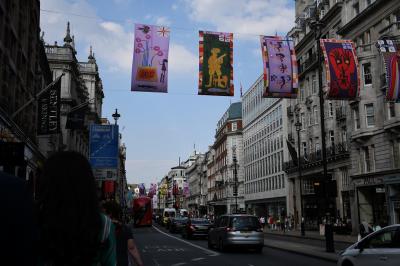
<point x="236" y="186"/>
<point x="303" y="231"/>
<point x="328" y="226"/>
<point x="36" y="96"/>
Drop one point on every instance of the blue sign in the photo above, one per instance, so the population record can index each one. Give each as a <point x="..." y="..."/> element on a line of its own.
<point x="103" y="146"/>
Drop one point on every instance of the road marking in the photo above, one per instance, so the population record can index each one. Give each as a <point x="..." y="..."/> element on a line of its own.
<point x="197" y="259"/>
<point x="179" y="264"/>
<point x="209" y="252"/>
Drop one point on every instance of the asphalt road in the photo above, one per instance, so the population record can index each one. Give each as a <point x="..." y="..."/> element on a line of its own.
<point x="160" y="248"/>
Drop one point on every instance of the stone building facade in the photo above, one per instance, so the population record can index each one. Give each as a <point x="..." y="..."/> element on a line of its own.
<point x="24" y="71"/>
<point x="265" y="127"/>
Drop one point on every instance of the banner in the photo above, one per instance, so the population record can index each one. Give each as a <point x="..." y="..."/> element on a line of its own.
<point x="76" y="117"/>
<point x="216" y="63"/>
<point x="342" y="72"/>
<point x="292" y="152"/>
<point x="150" y="58"/>
<point x="49" y="110"/>
<point x="391" y="56"/>
<point x="280" y="67"/>
<point x="186" y="191"/>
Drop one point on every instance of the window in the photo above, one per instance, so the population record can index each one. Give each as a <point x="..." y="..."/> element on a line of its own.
<point x="315" y="111"/>
<point x="356" y="114"/>
<point x="302" y="94"/>
<point x="385" y="239"/>
<point x="234" y="126"/>
<point x="303" y="121"/>
<point x="369" y="159"/>
<point x="391" y="110"/>
<point x="396" y="153"/>
<point x="304" y="149"/>
<point x="314" y="84"/>
<point x="356" y="9"/>
<point x="308" y="187"/>
<point x="330" y="108"/>
<point x="370" y="114"/>
<point x="367" y="74"/>
<point x="332" y="138"/>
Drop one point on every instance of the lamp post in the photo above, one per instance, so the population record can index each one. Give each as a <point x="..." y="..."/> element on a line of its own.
<point x="235" y="188"/>
<point x="298" y="126"/>
<point x="317" y="27"/>
<point x="116" y="116"/>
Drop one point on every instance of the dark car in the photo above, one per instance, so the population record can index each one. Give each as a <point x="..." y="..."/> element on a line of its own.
<point x="196" y="227"/>
<point x="177" y="224"/>
<point x="236" y="230"/>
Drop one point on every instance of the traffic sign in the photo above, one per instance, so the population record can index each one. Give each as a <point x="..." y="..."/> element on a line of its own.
<point x="104" y="146"/>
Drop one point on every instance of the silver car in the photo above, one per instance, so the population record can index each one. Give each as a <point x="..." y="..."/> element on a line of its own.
<point x="236" y="230"/>
<point x="379" y="248"/>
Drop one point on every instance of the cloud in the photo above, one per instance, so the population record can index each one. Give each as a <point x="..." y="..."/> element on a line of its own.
<point x="174" y="7"/>
<point x="111" y="43"/>
<point x="248" y="18"/>
<point x="182" y="61"/>
<point x="163" y="21"/>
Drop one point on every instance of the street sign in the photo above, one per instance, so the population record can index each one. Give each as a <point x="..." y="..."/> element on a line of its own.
<point x="104" y="146"/>
<point x="105" y="174"/>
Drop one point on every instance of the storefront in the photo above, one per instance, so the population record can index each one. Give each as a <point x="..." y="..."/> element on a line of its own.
<point x="392" y="184"/>
<point x="274" y="207"/>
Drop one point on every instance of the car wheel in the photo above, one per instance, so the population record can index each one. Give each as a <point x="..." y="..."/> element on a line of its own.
<point x="209" y="244"/>
<point x="221" y="245"/>
<point x="347" y="263"/>
<point x="259" y="249"/>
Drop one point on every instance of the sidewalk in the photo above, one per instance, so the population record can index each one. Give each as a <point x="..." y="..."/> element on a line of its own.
<point x="311" y="245"/>
<point x="346" y="239"/>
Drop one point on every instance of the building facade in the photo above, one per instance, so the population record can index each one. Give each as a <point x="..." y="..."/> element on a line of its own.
<point x="195" y="178"/>
<point x="305" y="110"/>
<point x="24" y="71"/>
<point x="176" y="177"/>
<point x="80" y="85"/>
<point x="374" y="122"/>
<point x="265" y="126"/>
<point x="221" y="173"/>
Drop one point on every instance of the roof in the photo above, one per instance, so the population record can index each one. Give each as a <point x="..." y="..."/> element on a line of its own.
<point x="235" y="110"/>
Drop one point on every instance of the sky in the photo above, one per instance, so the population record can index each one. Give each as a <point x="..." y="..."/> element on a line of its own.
<point x="159" y="128"/>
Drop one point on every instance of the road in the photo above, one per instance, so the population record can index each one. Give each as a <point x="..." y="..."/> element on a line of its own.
<point x="158" y="247"/>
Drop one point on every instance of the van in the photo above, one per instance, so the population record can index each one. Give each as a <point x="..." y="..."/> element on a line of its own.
<point x="168" y="214"/>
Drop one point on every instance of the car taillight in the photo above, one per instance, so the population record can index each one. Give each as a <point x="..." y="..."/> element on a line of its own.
<point x="228" y="229"/>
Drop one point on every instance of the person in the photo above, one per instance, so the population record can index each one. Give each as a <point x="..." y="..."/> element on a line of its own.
<point x="262" y="221"/>
<point x="365" y="229"/>
<point x="72" y="231"/>
<point x="126" y="247"/>
<point x="19" y="234"/>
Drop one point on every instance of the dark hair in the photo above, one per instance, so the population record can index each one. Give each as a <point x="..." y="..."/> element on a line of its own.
<point x="68" y="211"/>
<point x="113" y="209"/>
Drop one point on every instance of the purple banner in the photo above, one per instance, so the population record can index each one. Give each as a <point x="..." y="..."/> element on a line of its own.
<point x="150" y="59"/>
<point x="280" y="67"/>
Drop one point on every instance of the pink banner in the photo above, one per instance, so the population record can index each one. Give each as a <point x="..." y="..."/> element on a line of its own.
<point x="150" y="59"/>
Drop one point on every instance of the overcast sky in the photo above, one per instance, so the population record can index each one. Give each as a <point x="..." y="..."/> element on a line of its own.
<point x="159" y="128"/>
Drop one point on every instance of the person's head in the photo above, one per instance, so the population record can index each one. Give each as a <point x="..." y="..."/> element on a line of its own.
<point x="113" y="209"/>
<point x="68" y="210"/>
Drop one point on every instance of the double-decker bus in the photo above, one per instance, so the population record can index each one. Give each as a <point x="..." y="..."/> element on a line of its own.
<point x="142" y="211"/>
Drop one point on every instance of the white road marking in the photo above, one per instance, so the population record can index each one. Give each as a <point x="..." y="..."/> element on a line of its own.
<point x="210" y="252"/>
<point x="197" y="259"/>
<point x="179" y="264"/>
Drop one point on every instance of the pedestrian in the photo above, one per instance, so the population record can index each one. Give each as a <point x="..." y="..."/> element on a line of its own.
<point x="72" y="230"/>
<point x="126" y="247"/>
<point x="262" y="221"/>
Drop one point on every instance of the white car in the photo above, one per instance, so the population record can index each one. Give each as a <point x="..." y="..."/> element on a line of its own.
<point x="378" y="248"/>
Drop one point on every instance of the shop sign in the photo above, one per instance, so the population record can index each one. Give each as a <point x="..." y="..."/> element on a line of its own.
<point x="380" y="190"/>
<point x="369" y="181"/>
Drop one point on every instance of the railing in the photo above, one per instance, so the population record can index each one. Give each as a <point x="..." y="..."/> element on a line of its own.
<point x="336" y="152"/>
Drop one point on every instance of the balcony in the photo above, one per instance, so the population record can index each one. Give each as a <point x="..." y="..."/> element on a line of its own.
<point x="341" y="113"/>
<point x="334" y="153"/>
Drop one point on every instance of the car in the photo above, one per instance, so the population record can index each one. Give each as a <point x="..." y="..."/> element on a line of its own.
<point x="236" y="230"/>
<point x="378" y="248"/>
<point x="177" y="224"/>
<point x="196" y="227"/>
<point x="168" y="214"/>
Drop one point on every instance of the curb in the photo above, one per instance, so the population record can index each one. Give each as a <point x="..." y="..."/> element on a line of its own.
<point x="310" y="237"/>
<point x="307" y="254"/>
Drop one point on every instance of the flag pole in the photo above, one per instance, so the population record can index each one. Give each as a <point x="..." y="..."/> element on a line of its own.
<point x="36" y="96"/>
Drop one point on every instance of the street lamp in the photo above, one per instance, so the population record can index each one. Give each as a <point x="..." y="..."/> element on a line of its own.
<point x="235" y="189"/>
<point x="317" y="27"/>
<point x="298" y="126"/>
<point x="116" y="116"/>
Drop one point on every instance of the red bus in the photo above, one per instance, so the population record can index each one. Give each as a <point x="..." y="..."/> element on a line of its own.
<point x="142" y="211"/>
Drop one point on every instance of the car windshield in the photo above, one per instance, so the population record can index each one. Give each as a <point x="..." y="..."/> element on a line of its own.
<point x="200" y="221"/>
<point x="244" y="222"/>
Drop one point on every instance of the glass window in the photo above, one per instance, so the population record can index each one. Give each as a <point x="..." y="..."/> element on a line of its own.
<point x="315" y="111"/>
<point x="367" y="74"/>
<point x="330" y="109"/>
<point x="385" y="239"/>
<point x="314" y="84"/>
<point x="370" y="114"/>
<point x="391" y="110"/>
<point x="356" y="114"/>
